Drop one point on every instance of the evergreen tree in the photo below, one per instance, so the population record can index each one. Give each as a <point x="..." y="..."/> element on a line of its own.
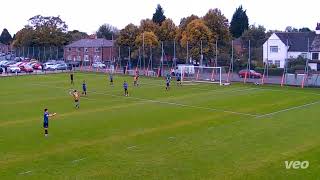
<point x="239" y="22"/>
<point x="158" y="16"/>
<point x="5" y="37"/>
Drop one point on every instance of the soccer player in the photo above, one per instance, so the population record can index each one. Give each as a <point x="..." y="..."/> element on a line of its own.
<point x="71" y="78"/>
<point x="135" y="80"/>
<point x="178" y="76"/>
<point x="168" y="76"/>
<point x="84" y="88"/>
<point x="111" y="79"/>
<point x="46" y="116"/>
<point x="167" y="84"/>
<point x="76" y="98"/>
<point x="125" y="87"/>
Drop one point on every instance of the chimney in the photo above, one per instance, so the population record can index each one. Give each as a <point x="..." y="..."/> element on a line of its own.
<point x="318" y="29"/>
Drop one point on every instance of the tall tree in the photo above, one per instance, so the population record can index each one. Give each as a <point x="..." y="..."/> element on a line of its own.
<point x="167" y="31"/>
<point x="239" y="22"/>
<point x="219" y="24"/>
<point x="5" y="37"/>
<point x="147" y="25"/>
<point x="304" y="29"/>
<point x="196" y="32"/>
<point x="256" y="35"/>
<point x="150" y="39"/>
<point x="107" y="31"/>
<point x="76" y="35"/>
<point x="49" y="30"/>
<point x="128" y="35"/>
<point x="158" y="17"/>
<point x="291" y="29"/>
<point x="183" y="25"/>
<point x="25" y="37"/>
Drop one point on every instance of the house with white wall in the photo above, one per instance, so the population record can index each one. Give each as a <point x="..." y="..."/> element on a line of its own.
<point x="282" y="46"/>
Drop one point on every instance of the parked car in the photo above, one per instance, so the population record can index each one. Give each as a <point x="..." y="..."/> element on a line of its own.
<point x="1" y="70"/>
<point x="250" y="74"/>
<point x="48" y="65"/>
<point x="8" y="63"/>
<point x="98" y="65"/>
<point x="3" y="62"/>
<point x="26" y="68"/>
<point x="63" y="66"/>
<point x="14" y="69"/>
<point x="37" y="66"/>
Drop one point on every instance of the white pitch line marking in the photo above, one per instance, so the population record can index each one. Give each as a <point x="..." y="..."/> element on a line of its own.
<point x="165" y="102"/>
<point x="131" y="147"/>
<point x="77" y="160"/>
<point x="27" y="172"/>
<point x="288" y="109"/>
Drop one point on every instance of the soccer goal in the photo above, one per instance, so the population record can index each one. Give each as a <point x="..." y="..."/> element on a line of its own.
<point x="201" y="74"/>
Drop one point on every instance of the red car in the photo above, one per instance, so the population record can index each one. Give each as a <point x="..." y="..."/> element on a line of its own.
<point x="37" y="66"/>
<point x="250" y="74"/>
<point x="26" y="68"/>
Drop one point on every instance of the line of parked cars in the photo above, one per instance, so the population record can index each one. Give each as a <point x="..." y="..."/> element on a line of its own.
<point x="29" y="65"/>
<point x="13" y="66"/>
<point x="53" y="65"/>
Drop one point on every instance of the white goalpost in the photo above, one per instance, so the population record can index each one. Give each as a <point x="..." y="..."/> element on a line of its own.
<point x="201" y="74"/>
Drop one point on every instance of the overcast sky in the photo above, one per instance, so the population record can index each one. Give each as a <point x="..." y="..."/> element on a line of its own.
<point x="88" y="15"/>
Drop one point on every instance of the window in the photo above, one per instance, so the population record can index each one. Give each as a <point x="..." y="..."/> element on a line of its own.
<point x="97" y="49"/>
<point x="78" y="49"/>
<point x="96" y="58"/>
<point x="86" y="58"/>
<point x="270" y="62"/>
<point x="277" y="63"/>
<point x="274" y="49"/>
<point x="315" y="56"/>
<point x="78" y="58"/>
<point x="86" y="50"/>
<point x="69" y="58"/>
<point x="69" y="49"/>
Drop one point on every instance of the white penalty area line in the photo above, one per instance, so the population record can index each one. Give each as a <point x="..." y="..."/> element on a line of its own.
<point x="77" y="160"/>
<point x="26" y="172"/>
<point x="288" y="109"/>
<point x="181" y="105"/>
<point x="165" y="102"/>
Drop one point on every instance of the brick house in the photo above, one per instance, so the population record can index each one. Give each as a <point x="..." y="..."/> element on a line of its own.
<point x="90" y="50"/>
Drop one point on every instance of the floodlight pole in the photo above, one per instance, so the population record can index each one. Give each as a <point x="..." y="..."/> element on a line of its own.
<point x="216" y="58"/>
<point x="187" y="52"/>
<point x="144" y="62"/>
<point x="249" y="59"/>
<point x="174" y="54"/>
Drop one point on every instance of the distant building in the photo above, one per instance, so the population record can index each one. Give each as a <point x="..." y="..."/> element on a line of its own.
<point x="90" y="50"/>
<point x="282" y="46"/>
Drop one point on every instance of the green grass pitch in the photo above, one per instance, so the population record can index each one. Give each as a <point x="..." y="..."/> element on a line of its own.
<point x="199" y="131"/>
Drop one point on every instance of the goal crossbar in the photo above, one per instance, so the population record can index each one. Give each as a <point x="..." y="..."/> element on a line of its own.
<point x="200" y="74"/>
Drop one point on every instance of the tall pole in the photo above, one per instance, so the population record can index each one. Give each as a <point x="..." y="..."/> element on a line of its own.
<point x="232" y="56"/>
<point x="216" y="59"/>
<point x="162" y="56"/>
<point x="249" y="59"/>
<point x="119" y="57"/>
<point x="112" y="48"/>
<point x="187" y="52"/>
<point x="129" y="59"/>
<point x="144" y="62"/>
<point x="174" y="54"/>
<point x="201" y="53"/>
<point x="32" y="51"/>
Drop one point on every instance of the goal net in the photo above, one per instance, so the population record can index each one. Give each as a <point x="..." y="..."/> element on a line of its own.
<point x="201" y="74"/>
